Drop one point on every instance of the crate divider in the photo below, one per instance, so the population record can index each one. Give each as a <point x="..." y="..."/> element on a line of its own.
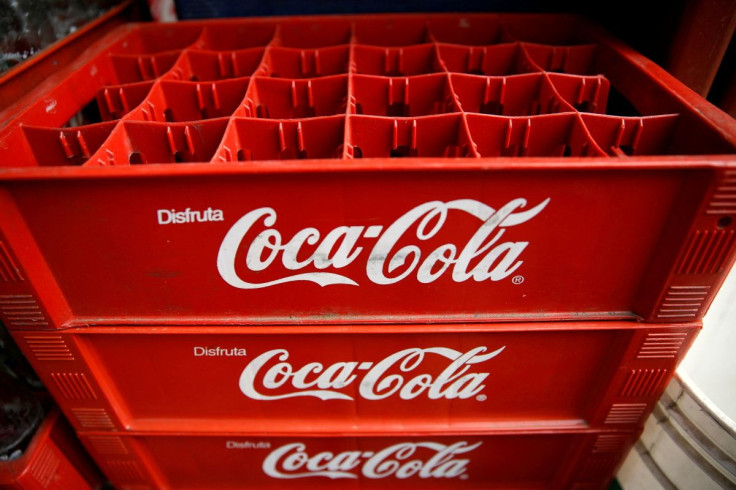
<point x="115" y="101"/>
<point x="206" y="66"/>
<point x="66" y="146"/>
<point x="516" y="95"/>
<point x="280" y="62"/>
<point x="171" y="101"/>
<point x="396" y="61"/>
<point x="420" y="95"/>
<point x="273" y="98"/>
<point x="132" y="68"/>
<point x="549" y="135"/>
<point x="576" y="60"/>
<point x="494" y="60"/>
<point x="630" y="136"/>
<point x="248" y="139"/>
<point x="136" y="142"/>
<point x="443" y="135"/>
<point x="583" y="93"/>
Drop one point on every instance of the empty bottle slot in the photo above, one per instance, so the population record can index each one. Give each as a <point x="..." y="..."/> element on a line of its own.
<point x="305" y="63"/>
<point x="273" y="98"/>
<point x="235" y="36"/>
<point x="578" y="60"/>
<point x="191" y="101"/>
<point x="468" y="30"/>
<point x="619" y="105"/>
<point x="136" y="142"/>
<point x="549" y="135"/>
<point x="391" y="32"/>
<point x="157" y="38"/>
<point x="518" y="95"/>
<point x="114" y="102"/>
<point x="66" y="146"/>
<point x="200" y="66"/>
<point x="629" y="136"/>
<point x="139" y="68"/>
<point x="313" y="34"/>
<point x="396" y="62"/>
<point x="496" y="60"/>
<point x="402" y="97"/>
<point x="585" y="94"/>
<point x="433" y="136"/>
<point x="255" y="139"/>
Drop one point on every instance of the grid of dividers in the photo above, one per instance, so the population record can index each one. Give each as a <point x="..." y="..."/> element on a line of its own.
<point x="347" y="89"/>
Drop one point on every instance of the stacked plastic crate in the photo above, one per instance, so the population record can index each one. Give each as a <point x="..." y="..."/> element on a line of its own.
<point x="448" y="251"/>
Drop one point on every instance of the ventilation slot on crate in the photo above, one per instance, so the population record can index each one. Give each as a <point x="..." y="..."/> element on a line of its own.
<point x="436" y="136"/>
<point x="519" y="95"/>
<point x="643" y="382"/>
<point x="723" y="200"/>
<point x="305" y="63"/>
<point x="497" y="60"/>
<point x="551" y="135"/>
<point x="74" y="386"/>
<point x="271" y="98"/>
<point x="258" y="139"/>
<point x="44" y="466"/>
<point x="112" y="445"/>
<point x="625" y="413"/>
<point x="48" y="348"/>
<point x="93" y="418"/>
<point x="21" y="310"/>
<point x="707" y="251"/>
<point x="662" y="345"/>
<point x="682" y="302"/>
<point x="403" y="97"/>
<point x="10" y="271"/>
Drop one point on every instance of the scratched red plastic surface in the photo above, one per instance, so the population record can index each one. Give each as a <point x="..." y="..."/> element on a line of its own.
<point x="54" y="459"/>
<point x="417" y="168"/>
<point x="334" y="379"/>
<point x="520" y="460"/>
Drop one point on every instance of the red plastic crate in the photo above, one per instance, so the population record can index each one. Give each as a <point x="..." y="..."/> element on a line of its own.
<point x="343" y="379"/>
<point x="54" y="459"/>
<point x="584" y="459"/>
<point x="363" y="169"/>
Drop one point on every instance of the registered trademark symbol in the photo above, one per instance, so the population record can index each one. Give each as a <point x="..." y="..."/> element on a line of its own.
<point x="463" y="477"/>
<point x="481" y="398"/>
<point x="517" y="279"/>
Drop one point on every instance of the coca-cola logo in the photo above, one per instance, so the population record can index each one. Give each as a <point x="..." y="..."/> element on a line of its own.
<point x="272" y="371"/>
<point x="399" y="461"/>
<point x="485" y="256"/>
